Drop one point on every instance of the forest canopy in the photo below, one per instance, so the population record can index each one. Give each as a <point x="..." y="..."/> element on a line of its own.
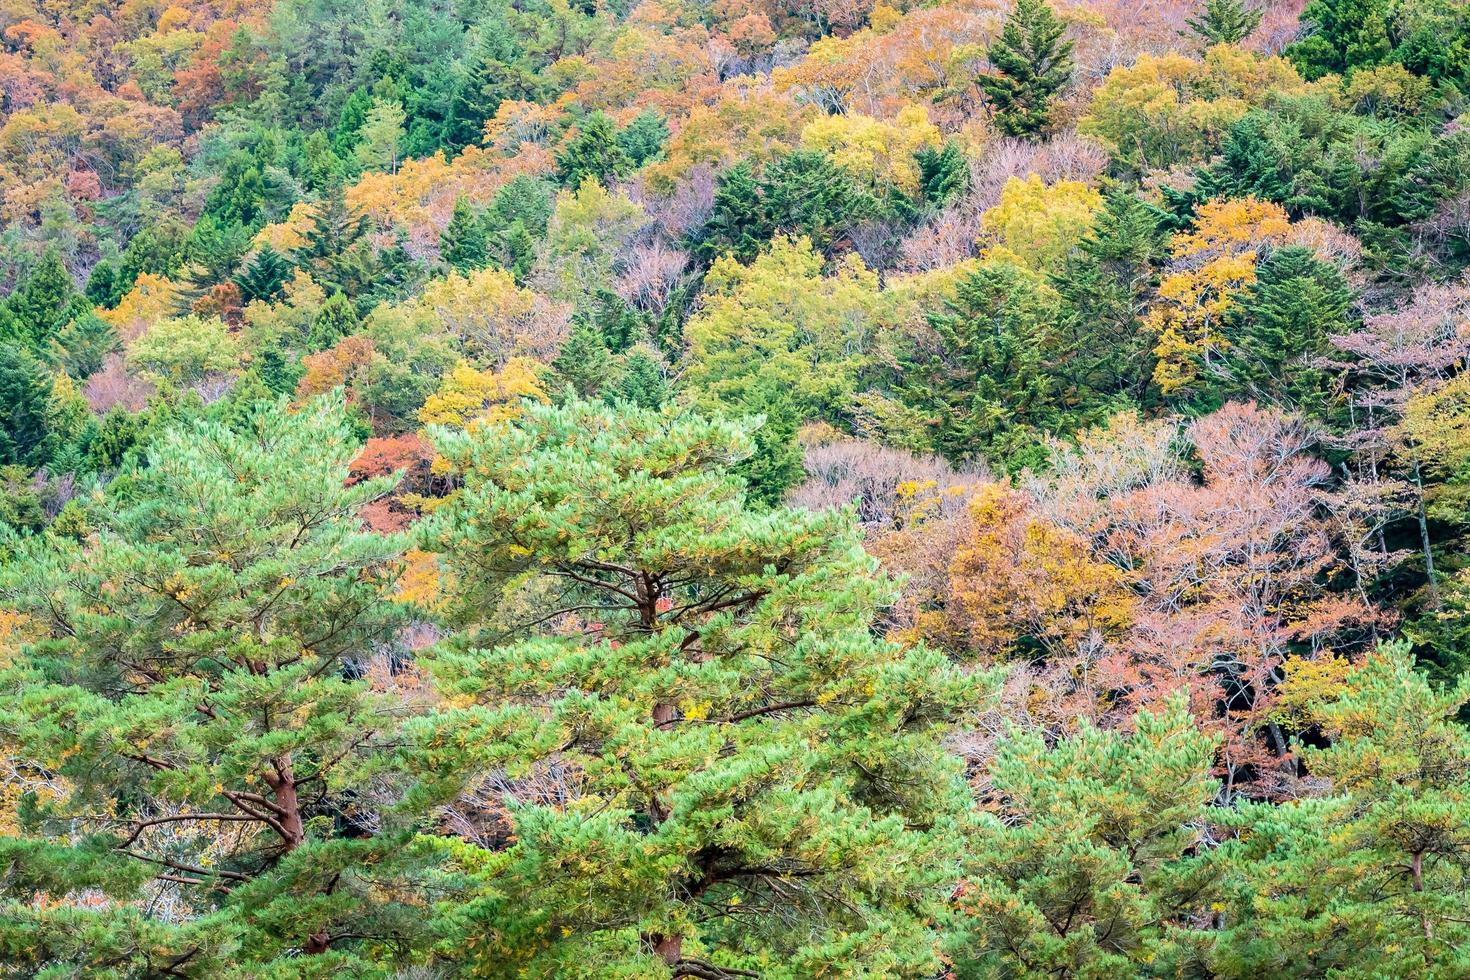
<point x="677" y="489"/>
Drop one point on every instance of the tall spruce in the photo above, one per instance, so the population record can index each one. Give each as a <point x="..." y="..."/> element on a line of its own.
<point x="1031" y="65"/>
<point x="1225" y="22"/>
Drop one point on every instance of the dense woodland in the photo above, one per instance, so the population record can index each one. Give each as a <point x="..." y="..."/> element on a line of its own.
<point x="734" y="488"/>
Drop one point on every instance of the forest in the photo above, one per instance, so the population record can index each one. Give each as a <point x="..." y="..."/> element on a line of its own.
<point x="721" y="489"/>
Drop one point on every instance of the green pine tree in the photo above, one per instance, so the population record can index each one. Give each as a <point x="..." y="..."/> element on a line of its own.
<point x="593" y="153"/>
<point x="1225" y="22"/>
<point x="1284" y="322"/>
<point x="25" y="404"/>
<point x="749" y="776"/>
<point x="1085" y="853"/>
<point x="465" y="241"/>
<point x="643" y="139"/>
<point x="1032" y="64"/>
<point x="336" y="319"/>
<point x="44" y="302"/>
<point x="263" y="279"/>
<point x="81" y="347"/>
<point x="190" y="684"/>
<point x="1370" y="880"/>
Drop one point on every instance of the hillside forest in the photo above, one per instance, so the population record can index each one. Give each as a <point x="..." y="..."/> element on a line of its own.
<point x="720" y="489"/>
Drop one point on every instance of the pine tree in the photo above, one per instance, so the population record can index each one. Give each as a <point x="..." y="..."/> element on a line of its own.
<point x="188" y="685"/>
<point x="806" y="193"/>
<point x="943" y="172"/>
<point x="264" y="277"/>
<point x="1084" y="853"/>
<point x="643" y="383"/>
<point x="593" y="153"/>
<point x="1101" y="350"/>
<point x="496" y="71"/>
<point x="82" y="345"/>
<point x="642" y="140"/>
<point x="1368" y="881"/>
<point x="987" y="388"/>
<point x="45" y="301"/>
<point x="1292" y="309"/>
<point x="25" y="405"/>
<point x="380" y="142"/>
<point x="336" y="319"/>
<point x="1032" y="64"/>
<point x="748" y="775"/>
<point x="736" y="225"/>
<point x="775" y="464"/>
<point x="1225" y="22"/>
<point x="337" y="253"/>
<point x="465" y="241"/>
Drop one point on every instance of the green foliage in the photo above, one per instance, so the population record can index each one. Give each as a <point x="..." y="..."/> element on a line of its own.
<point x="263" y="278"/>
<point x="986" y="386"/>
<point x="1101" y="348"/>
<point x="1283" y="324"/>
<point x="802" y="193"/>
<point x="1344" y="34"/>
<point x="756" y="779"/>
<point x="25" y="404"/>
<point x="187" y="683"/>
<point x="593" y="153"/>
<point x="1031" y="65"/>
<point x="81" y="347"/>
<point x="1225" y="22"/>
<point x="1085" y="857"/>
<point x="642" y="140"/>
<point x="465" y="241"/>
<point x="43" y="303"/>
<point x="1368" y="881"/>
<point x="336" y="319"/>
<point x="943" y="172"/>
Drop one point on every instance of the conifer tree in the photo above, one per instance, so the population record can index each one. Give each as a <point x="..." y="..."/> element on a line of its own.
<point x="44" y="302"/>
<point x="1225" y="22"/>
<point x="642" y="140"/>
<point x="1370" y="880"/>
<point x="1032" y="64"/>
<point x="336" y="319"/>
<point x="1085" y="852"/>
<point x="82" y="345"/>
<point x="593" y="153"/>
<point x="1292" y="309"/>
<point x="189" y="685"/>
<point x="25" y="404"/>
<point x="465" y="242"/>
<point x="264" y="277"/>
<point x="747" y="775"/>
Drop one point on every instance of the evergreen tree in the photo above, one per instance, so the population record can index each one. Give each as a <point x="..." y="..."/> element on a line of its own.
<point x="44" y="302"/>
<point x="1032" y="64"/>
<point x="215" y="252"/>
<point x="593" y="153"/>
<point x="104" y="284"/>
<point x="775" y="464"/>
<point x="465" y="241"/>
<point x="758" y="778"/>
<point x="522" y="199"/>
<point x="642" y="140"/>
<point x="1370" y="880"/>
<point x="943" y="172"/>
<point x="1285" y="321"/>
<point x="337" y="253"/>
<point x="806" y="193"/>
<point x="25" y="405"/>
<point x="82" y="345"/>
<point x="585" y="363"/>
<point x="380" y="140"/>
<point x="189" y="685"/>
<point x="987" y="388"/>
<point x="497" y="70"/>
<point x="1084" y="854"/>
<point x="264" y="277"/>
<point x="1225" y="22"/>
<point x="336" y="319"/>
<point x="736" y="224"/>
<point x="1343" y="35"/>
<point x="643" y="383"/>
<point x="1101" y="350"/>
